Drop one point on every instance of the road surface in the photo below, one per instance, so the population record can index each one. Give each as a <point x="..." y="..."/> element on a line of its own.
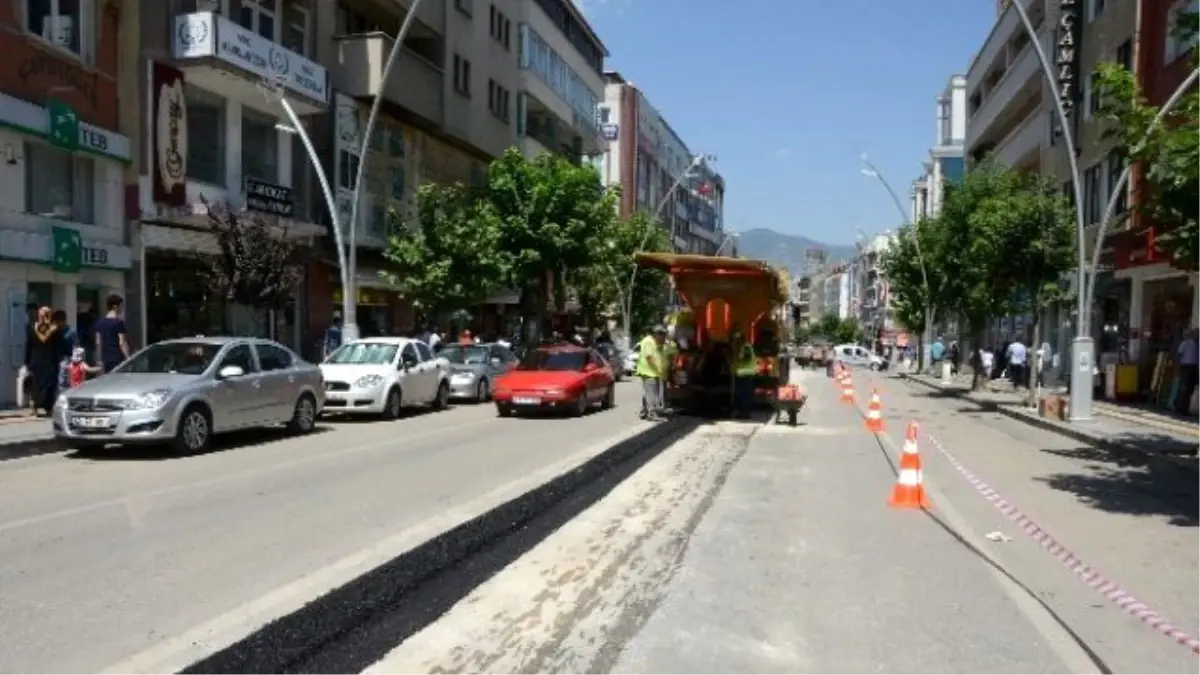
<point x="768" y="549"/>
<point x="136" y="561"/>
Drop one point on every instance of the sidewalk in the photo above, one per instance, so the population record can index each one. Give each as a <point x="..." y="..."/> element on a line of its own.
<point x="1118" y="429"/>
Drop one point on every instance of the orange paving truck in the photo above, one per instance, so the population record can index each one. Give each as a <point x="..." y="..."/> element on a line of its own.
<point x="721" y="295"/>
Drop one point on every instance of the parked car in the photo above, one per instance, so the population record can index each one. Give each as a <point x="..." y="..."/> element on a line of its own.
<point x="629" y="364"/>
<point x="384" y="375"/>
<point x="473" y="369"/>
<point x="557" y="378"/>
<point x="615" y="359"/>
<point x="181" y="392"/>
<point x="861" y="357"/>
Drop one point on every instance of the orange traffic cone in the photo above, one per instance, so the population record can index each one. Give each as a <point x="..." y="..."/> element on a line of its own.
<point x="909" y="490"/>
<point x="875" y="413"/>
<point x="848" y="389"/>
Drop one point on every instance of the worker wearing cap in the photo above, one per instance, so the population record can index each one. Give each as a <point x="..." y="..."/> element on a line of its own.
<point x="652" y="368"/>
<point x="745" y="369"/>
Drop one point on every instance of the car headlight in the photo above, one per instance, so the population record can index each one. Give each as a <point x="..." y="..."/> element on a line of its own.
<point x="148" y="400"/>
<point x="61" y="401"/>
<point x="368" y="381"/>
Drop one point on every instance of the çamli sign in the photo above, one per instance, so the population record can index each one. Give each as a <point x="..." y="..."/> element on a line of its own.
<point x="1066" y="55"/>
<point x="169" y="119"/>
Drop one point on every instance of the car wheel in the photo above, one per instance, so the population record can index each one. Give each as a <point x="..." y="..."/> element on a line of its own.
<point x="874" y="367"/>
<point x="442" y="400"/>
<point x="483" y="392"/>
<point x="581" y="406"/>
<point x="610" y="398"/>
<point x="304" y="416"/>
<point x="391" y="405"/>
<point x="194" y="431"/>
<point x="503" y="410"/>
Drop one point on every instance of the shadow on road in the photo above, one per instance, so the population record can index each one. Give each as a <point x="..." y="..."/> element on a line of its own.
<point x="356" y="625"/>
<point x="1119" y="483"/>
<point x="158" y="453"/>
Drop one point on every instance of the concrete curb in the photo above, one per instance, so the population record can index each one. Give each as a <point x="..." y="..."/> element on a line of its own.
<point x="1129" y="450"/>
<point x="307" y="635"/>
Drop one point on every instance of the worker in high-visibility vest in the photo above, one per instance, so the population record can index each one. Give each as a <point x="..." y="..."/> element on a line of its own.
<point x="745" y="368"/>
<point x="652" y="369"/>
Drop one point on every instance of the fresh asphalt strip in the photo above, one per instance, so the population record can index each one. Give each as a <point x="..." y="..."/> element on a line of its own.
<point x="359" y="623"/>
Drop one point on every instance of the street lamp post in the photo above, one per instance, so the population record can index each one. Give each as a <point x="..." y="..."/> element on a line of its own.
<point x="872" y="171"/>
<point x="627" y="310"/>
<point x="1082" y="347"/>
<point x="347" y="245"/>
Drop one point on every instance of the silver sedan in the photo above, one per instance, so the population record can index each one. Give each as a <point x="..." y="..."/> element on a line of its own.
<point x="181" y="392"/>
<point x="473" y="368"/>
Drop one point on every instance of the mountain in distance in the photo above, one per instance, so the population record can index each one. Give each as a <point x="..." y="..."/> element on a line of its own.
<point x="786" y="251"/>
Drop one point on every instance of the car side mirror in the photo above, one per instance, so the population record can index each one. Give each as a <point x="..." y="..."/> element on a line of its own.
<point x="229" y="372"/>
<point x="591" y="368"/>
<point x="407" y="362"/>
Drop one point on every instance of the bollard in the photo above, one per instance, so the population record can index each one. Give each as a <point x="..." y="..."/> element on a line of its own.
<point x="945" y="372"/>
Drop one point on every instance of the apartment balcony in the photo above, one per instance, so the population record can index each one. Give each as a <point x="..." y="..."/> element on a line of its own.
<point x="220" y="55"/>
<point x="1021" y="149"/>
<point x="415" y="83"/>
<point x="1011" y="94"/>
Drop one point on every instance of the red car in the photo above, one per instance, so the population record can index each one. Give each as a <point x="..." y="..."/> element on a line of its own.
<point x="559" y="378"/>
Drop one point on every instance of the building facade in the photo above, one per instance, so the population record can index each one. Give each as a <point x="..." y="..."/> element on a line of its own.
<point x="658" y="173"/>
<point x="63" y="239"/>
<point x="946" y="162"/>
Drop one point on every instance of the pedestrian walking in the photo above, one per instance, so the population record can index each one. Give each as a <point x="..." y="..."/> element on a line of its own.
<point x="1188" y="357"/>
<point x="43" y="352"/>
<point x="112" y="340"/>
<point x="1018" y="355"/>
<point x="652" y="368"/>
<point x="333" y="336"/>
<point x="70" y="340"/>
<point x="78" y="370"/>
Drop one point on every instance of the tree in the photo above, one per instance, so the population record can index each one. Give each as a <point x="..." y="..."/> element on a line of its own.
<point x="547" y="211"/>
<point x="914" y="303"/>
<point x="1167" y="153"/>
<point x="603" y="281"/>
<point x="838" y="330"/>
<point x="450" y="258"/>
<point x="255" y="265"/>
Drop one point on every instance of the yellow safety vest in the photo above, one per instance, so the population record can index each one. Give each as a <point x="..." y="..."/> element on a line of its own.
<point x="747" y="362"/>
<point x="648" y="349"/>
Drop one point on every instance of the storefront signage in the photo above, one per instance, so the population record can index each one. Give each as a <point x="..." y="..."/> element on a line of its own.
<point x="47" y="247"/>
<point x="610" y="131"/>
<point x="207" y="34"/>
<point x="59" y="73"/>
<point x="35" y="120"/>
<point x="269" y="198"/>
<point x="1066" y="56"/>
<point x="169" y="119"/>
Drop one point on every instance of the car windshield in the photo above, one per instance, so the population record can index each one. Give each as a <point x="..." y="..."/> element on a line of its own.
<point x="187" y="358"/>
<point x="465" y="354"/>
<point x="541" y="359"/>
<point x="365" y="354"/>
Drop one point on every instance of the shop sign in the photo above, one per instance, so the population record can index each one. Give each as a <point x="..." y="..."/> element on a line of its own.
<point x="207" y="34"/>
<point x="264" y="197"/>
<point x="169" y="120"/>
<point x="1066" y="56"/>
<point x="63" y="249"/>
<point x="55" y="120"/>
<point x="610" y="131"/>
<point x="58" y="73"/>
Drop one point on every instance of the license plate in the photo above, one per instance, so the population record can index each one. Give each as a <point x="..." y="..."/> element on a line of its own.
<point x="525" y="400"/>
<point x="91" y="422"/>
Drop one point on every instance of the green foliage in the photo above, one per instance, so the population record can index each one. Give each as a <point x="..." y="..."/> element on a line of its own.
<point x="837" y="330"/>
<point x="547" y="211"/>
<point x="601" y="282"/>
<point x="902" y="267"/>
<point x="1168" y="153"/>
<point x="453" y="259"/>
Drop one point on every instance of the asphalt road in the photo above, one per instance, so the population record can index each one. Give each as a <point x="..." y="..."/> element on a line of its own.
<point x="744" y="548"/>
<point x="132" y="561"/>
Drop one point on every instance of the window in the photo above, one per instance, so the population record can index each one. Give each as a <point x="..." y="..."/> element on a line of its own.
<point x="424" y="351"/>
<point x="63" y="23"/>
<point x="506" y="35"/>
<point x="273" y="357"/>
<point x="58" y="184"/>
<point x="295" y="28"/>
<point x="1175" y="47"/>
<point x="1095" y="9"/>
<point x="1091" y="97"/>
<point x="409" y="354"/>
<point x="205" y="119"/>
<point x="347" y="169"/>
<point x="462" y="75"/>
<point x="465" y="6"/>
<point x="260" y="147"/>
<point x="498" y="100"/>
<point x="1124" y="56"/>
<point x="259" y="16"/>
<point x="1116" y="164"/>
<point x="492" y="16"/>
<point x="240" y="356"/>
<point x="1093" y="193"/>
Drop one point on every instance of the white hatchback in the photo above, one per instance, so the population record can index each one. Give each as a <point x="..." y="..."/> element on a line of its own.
<point x="381" y="376"/>
<point x="858" y="356"/>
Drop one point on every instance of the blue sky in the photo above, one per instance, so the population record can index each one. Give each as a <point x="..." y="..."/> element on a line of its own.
<point x="790" y="93"/>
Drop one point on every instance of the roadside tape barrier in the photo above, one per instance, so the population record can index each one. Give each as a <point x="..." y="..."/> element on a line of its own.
<point x="1090" y="576"/>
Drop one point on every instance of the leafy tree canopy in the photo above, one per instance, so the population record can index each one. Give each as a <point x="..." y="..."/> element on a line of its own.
<point x="902" y="267"/>
<point x="605" y="277"/>
<point x="1168" y="153"/>
<point x="452" y="259"/>
<point x="255" y="265"/>
<point x="837" y="330"/>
